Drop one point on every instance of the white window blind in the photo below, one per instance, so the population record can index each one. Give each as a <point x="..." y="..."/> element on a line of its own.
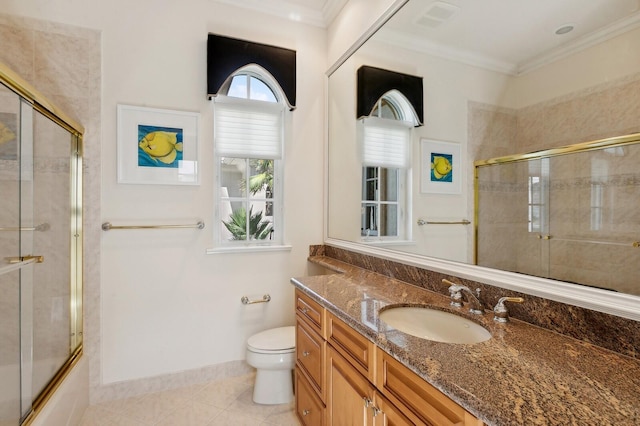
<point x="386" y="143"/>
<point x="248" y="128"/>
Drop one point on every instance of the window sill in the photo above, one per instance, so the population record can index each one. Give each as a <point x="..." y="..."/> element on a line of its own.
<point x="248" y="249"/>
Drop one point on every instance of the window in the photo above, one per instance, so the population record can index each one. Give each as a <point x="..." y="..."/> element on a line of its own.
<point x="249" y="129"/>
<point x="386" y="168"/>
<point x="538" y="196"/>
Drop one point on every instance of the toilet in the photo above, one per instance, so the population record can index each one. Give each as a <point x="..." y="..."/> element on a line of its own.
<point x="272" y="354"/>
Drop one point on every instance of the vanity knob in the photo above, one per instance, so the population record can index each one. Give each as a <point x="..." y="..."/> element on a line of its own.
<point x="500" y="312"/>
<point x="306" y="353"/>
<point x="367" y="402"/>
<point x="375" y="411"/>
<point x="305" y="412"/>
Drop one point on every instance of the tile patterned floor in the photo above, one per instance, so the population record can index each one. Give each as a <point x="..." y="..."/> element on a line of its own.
<point x="224" y="402"/>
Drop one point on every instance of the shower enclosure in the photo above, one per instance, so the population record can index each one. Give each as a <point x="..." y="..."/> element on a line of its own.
<point x="569" y="213"/>
<point x="40" y="248"/>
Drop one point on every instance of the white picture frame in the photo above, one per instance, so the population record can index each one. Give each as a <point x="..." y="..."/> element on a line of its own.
<point x="440" y="167"/>
<point x="157" y="146"/>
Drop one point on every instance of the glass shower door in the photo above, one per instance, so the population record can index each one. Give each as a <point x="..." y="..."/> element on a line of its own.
<point x="40" y="274"/>
<point x="513" y="230"/>
<point x="50" y="183"/>
<point x="14" y="127"/>
<point x="595" y="226"/>
<point x="40" y="248"/>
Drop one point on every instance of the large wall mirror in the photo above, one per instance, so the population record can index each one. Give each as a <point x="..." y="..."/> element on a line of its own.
<point x="499" y="79"/>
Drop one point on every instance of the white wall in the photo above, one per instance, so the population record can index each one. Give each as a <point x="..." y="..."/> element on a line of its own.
<point x="165" y="306"/>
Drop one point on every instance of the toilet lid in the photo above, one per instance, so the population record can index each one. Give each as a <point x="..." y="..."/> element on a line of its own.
<point x="275" y="339"/>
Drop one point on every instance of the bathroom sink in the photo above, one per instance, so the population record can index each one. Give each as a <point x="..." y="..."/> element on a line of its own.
<point x="433" y="324"/>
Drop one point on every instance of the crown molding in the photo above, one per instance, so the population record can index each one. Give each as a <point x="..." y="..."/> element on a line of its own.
<point x="398" y="39"/>
<point x="319" y="17"/>
<point x="582" y="43"/>
<point x="331" y="9"/>
<point x="395" y="38"/>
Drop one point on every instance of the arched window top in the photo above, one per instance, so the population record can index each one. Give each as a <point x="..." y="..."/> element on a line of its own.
<point x="227" y="56"/>
<point x="375" y="84"/>
<point x="254" y="83"/>
<point x="395" y="106"/>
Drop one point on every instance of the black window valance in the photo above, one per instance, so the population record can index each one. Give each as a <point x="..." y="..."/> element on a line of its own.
<point x="226" y="55"/>
<point x="375" y="82"/>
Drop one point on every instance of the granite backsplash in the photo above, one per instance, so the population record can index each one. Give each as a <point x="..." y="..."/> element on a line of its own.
<point x="615" y="333"/>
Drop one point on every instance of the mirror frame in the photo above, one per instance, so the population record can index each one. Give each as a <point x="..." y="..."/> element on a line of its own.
<point x="610" y="302"/>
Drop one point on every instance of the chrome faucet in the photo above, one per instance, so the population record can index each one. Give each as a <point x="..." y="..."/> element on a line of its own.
<point x="500" y="312"/>
<point x="456" y="291"/>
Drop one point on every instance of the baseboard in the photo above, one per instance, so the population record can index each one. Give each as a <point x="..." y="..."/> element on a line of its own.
<point x="131" y="388"/>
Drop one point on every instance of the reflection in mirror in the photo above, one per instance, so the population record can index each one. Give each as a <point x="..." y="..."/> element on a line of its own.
<point x="520" y="81"/>
<point x="385" y="143"/>
<point x="567" y="214"/>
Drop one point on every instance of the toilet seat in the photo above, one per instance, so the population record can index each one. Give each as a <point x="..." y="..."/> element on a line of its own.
<point x="275" y="340"/>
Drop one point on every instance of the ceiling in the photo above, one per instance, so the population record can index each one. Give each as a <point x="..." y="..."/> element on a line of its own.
<point x="512" y="36"/>
<point x="507" y="35"/>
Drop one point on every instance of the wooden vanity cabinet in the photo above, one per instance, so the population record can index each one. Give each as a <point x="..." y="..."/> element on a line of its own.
<point x="342" y="378"/>
<point x="310" y="374"/>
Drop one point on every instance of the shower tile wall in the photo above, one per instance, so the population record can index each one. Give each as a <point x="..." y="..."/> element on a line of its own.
<point x="611" y="109"/>
<point x="64" y="63"/>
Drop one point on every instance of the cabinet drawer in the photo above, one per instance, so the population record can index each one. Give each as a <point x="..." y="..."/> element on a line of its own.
<point x="309" y="408"/>
<point x="391" y="414"/>
<point x="310" y="311"/>
<point x="352" y="345"/>
<point x="310" y="349"/>
<point x="416" y="398"/>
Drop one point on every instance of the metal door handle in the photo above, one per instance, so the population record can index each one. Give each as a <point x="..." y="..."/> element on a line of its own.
<point x="18" y="259"/>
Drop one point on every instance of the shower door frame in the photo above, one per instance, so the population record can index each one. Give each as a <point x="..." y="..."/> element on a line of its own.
<point x="599" y="144"/>
<point x="40" y="104"/>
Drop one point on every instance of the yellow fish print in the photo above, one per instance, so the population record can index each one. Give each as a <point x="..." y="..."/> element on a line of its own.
<point x="6" y="134"/>
<point x="441" y="167"/>
<point x="161" y="146"/>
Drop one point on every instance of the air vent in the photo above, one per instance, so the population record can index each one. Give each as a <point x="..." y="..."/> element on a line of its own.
<point x="437" y="13"/>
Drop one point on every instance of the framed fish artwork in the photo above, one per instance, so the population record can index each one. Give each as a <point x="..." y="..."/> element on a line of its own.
<point x="157" y="146"/>
<point x="441" y="167"/>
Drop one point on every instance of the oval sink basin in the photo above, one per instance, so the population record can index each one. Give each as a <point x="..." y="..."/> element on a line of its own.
<point x="432" y="324"/>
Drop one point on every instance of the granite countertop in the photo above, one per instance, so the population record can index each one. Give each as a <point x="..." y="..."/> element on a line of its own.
<point x="523" y="375"/>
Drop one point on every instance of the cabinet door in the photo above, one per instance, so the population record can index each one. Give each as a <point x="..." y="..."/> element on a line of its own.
<point x="350" y="396"/>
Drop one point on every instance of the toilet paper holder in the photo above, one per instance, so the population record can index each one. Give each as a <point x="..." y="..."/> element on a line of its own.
<point x="245" y="300"/>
